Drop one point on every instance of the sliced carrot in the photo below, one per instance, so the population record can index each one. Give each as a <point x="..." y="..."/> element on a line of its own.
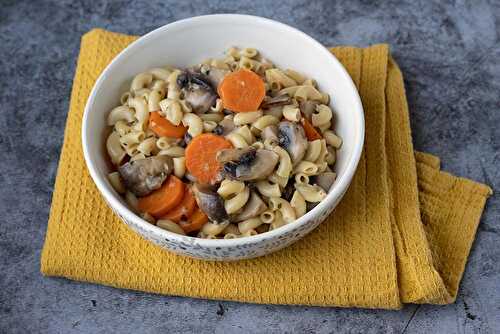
<point x="242" y="91"/>
<point x="196" y="222"/>
<point x="163" y="128"/>
<point x="164" y="199"/>
<point x="184" y="210"/>
<point x="311" y="132"/>
<point x="201" y="156"/>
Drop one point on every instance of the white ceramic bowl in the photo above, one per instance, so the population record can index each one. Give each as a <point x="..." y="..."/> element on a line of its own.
<point x="188" y="42"/>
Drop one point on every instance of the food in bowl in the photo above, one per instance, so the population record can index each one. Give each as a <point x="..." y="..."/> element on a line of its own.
<point x="228" y="148"/>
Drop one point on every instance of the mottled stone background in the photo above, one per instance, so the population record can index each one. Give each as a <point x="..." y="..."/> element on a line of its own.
<point x="449" y="52"/>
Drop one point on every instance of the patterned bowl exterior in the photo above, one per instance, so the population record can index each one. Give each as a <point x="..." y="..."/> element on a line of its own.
<point x="190" y="246"/>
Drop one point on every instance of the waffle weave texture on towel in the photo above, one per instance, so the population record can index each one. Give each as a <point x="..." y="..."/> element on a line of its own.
<point x="402" y="233"/>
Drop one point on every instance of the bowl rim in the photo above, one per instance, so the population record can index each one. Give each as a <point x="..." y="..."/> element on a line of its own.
<point x="335" y="193"/>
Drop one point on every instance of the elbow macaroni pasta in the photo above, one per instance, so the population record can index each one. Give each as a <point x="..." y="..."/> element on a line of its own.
<point x="159" y="90"/>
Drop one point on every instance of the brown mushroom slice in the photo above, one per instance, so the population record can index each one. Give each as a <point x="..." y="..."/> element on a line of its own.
<point x="145" y="175"/>
<point x="307" y="108"/>
<point x="224" y="127"/>
<point x="216" y="75"/>
<point x="254" y="207"/>
<point x="276" y="101"/>
<point x="325" y="180"/>
<point x="288" y="191"/>
<point x="293" y="139"/>
<point x="198" y="91"/>
<point x="210" y="203"/>
<point x="270" y="133"/>
<point x="248" y="164"/>
<point x="233" y="154"/>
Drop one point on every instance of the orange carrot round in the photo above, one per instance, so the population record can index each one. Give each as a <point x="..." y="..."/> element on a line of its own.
<point x="184" y="210"/>
<point x="311" y="132"/>
<point x="242" y="91"/>
<point x="201" y="156"/>
<point x="163" y="128"/>
<point x="195" y="223"/>
<point x="164" y="199"/>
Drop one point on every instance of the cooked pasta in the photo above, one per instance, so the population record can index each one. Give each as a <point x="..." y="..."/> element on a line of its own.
<point x="218" y="106"/>
<point x="114" y="148"/>
<point x="132" y="138"/>
<point x="232" y="205"/>
<point x="170" y="226"/>
<point x="160" y="73"/>
<point x="291" y="113"/>
<point x="141" y="80"/>
<point x="120" y="113"/>
<point x="306" y="167"/>
<point x="141" y="111"/>
<point x="278" y="76"/>
<point x="179" y="166"/>
<point x="231" y="229"/>
<point x="194" y="124"/>
<point x="245" y="133"/>
<point x="154" y="100"/>
<point x="247" y="117"/>
<point x="286" y="210"/>
<point x="267" y="217"/>
<point x="229" y="187"/>
<point x="332" y="139"/>
<point x="132" y="200"/>
<point x="212" y="117"/>
<point x="233" y="162"/>
<point x="116" y="182"/>
<point x="277" y="222"/>
<point x="213" y="229"/>
<point x="249" y="224"/>
<point x="299" y="78"/>
<point x="268" y="189"/>
<point x="237" y="140"/>
<point x="265" y="121"/>
<point x="298" y="203"/>
<point x="311" y="193"/>
<point x="285" y="163"/>
<point x="301" y="178"/>
<point x="122" y="128"/>
<point x="173" y="151"/>
<point x="313" y="150"/>
<point x="322" y="115"/>
<point x="163" y="143"/>
<point x="147" y="217"/>
<point x="209" y="126"/>
<point x="147" y="146"/>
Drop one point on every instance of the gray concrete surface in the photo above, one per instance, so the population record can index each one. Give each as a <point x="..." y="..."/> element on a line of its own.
<point x="450" y="54"/>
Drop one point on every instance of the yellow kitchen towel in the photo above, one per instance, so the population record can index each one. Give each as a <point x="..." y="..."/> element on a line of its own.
<point x="401" y="234"/>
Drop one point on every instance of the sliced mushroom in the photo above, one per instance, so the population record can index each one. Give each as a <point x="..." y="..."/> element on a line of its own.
<point x="186" y="140"/>
<point x="216" y="75"/>
<point x="325" y="180"/>
<point x="197" y="90"/>
<point x="271" y="133"/>
<point x="211" y="203"/>
<point x="293" y="139"/>
<point x="307" y="108"/>
<point x="310" y="206"/>
<point x="288" y="191"/>
<point x="276" y="101"/>
<point x="254" y="207"/>
<point x="233" y="155"/>
<point x="145" y="175"/>
<point x="246" y="164"/>
<point x="224" y="127"/>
